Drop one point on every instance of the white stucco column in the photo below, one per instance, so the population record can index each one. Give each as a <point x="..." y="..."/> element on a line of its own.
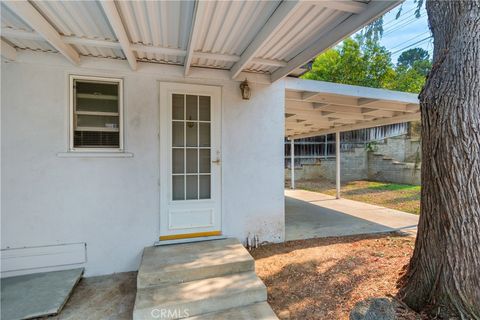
<point x="292" y="163"/>
<point x="337" y="162"/>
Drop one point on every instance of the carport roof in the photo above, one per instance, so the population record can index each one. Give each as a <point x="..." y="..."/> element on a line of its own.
<point x="314" y="108"/>
<point x="269" y="37"/>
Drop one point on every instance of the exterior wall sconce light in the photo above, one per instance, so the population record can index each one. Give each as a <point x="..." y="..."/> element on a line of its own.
<point x="246" y="92"/>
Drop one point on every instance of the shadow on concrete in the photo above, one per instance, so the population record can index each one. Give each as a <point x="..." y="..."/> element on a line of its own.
<point x="305" y="220"/>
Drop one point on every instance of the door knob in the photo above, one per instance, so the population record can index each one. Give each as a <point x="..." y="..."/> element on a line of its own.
<point x="216" y="161"/>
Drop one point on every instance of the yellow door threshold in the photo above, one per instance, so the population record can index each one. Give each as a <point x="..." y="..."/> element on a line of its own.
<point x="190" y="235"/>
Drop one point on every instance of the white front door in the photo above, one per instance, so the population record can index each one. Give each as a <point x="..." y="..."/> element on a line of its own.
<point x="190" y="161"/>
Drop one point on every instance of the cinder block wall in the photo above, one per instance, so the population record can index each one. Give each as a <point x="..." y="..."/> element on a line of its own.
<point x="393" y="148"/>
<point x="400" y="148"/>
<point x="413" y="150"/>
<point x="354" y="166"/>
<point x="392" y="162"/>
<point x="385" y="170"/>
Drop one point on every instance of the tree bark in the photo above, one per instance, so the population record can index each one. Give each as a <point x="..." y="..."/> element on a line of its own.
<point x="444" y="272"/>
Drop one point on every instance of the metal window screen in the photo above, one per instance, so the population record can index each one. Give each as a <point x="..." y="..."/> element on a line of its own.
<point x="96" y="114"/>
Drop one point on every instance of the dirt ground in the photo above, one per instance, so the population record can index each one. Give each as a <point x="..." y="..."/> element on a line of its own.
<point x="109" y="297"/>
<point x="323" y="278"/>
<point x="317" y="279"/>
<point x="401" y="197"/>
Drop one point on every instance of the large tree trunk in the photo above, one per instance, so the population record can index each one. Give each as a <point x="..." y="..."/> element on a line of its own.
<point x="444" y="272"/>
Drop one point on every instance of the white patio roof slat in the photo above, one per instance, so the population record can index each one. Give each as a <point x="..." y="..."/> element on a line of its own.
<point x="315" y="108"/>
<point x="283" y="12"/>
<point x="36" y="21"/>
<point x="8" y="52"/>
<point x="307" y="24"/>
<point x="111" y="44"/>
<point x="347" y="6"/>
<point x="198" y="12"/>
<point x="362" y="125"/>
<point x="341" y="109"/>
<point x="30" y="35"/>
<point x="61" y="15"/>
<point x="11" y="20"/>
<point x="116" y="23"/>
<point x="271" y="37"/>
<point x="323" y="87"/>
<point x="380" y="113"/>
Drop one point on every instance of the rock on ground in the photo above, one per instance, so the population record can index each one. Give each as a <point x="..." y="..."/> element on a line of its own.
<point x="374" y="309"/>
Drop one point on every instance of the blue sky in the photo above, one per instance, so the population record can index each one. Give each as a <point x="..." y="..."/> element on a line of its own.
<point x="401" y="34"/>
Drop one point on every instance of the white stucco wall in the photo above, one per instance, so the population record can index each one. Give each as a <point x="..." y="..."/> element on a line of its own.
<point x="112" y="204"/>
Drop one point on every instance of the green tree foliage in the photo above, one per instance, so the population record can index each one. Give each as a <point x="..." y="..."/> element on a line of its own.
<point x="354" y="62"/>
<point x="412" y="68"/>
<point x="408" y="58"/>
<point x="364" y="62"/>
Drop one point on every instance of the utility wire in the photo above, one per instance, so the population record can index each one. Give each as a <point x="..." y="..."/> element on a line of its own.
<point x="403" y="20"/>
<point x="411" y="45"/>
<point x="407" y="41"/>
<point x="406" y="23"/>
<point x="399" y="18"/>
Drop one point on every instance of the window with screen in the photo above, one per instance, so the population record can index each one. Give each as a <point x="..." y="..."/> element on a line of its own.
<point x="96" y="113"/>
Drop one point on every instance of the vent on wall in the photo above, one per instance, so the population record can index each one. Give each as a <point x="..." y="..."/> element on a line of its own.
<point x="26" y="260"/>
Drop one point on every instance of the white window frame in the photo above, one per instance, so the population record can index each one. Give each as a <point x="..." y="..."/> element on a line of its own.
<point x="72" y="114"/>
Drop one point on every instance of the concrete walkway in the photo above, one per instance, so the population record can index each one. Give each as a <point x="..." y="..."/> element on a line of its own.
<point x="312" y="214"/>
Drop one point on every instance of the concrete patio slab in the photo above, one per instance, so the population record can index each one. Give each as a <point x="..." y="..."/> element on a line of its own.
<point x="38" y="294"/>
<point x="312" y="215"/>
<point x="109" y="297"/>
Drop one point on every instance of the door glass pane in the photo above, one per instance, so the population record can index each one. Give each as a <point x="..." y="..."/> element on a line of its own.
<point x="192" y="187"/>
<point x="204" y="108"/>
<point x="192" y="160"/>
<point x="178" y="187"/>
<point x="192" y="103"/>
<point x="177" y="134"/>
<point x="204" y="187"/>
<point x="204" y="160"/>
<point x="178" y="107"/>
<point x="192" y="134"/>
<point x="178" y="161"/>
<point x="191" y="141"/>
<point x="204" y="134"/>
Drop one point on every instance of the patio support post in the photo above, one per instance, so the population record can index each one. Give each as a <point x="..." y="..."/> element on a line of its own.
<point x="337" y="163"/>
<point x="292" y="163"/>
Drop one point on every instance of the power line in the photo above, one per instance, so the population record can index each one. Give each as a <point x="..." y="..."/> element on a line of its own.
<point x="399" y="18"/>
<point x="403" y="16"/>
<point x="406" y="19"/>
<point x="407" y="41"/>
<point x="411" y="45"/>
<point x="404" y="24"/>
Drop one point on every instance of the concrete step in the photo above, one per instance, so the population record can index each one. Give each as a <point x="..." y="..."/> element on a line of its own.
<point x="165" y="265"/>
<point x="199" y="297"/>
<point x="257" y="311"/>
